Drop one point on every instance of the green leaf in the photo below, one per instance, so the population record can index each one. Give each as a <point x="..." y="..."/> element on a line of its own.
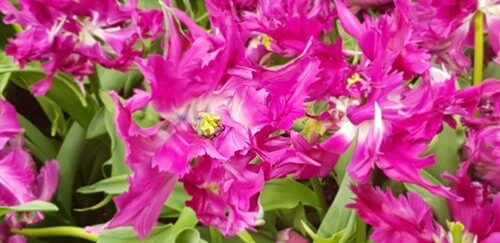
<point x="32" y="206"/>
<point x="4" y="81"/>
<point x="186" y="220"/>
<point x="188" y="9"/>
<point x="286" y="194"/>
<point x="189" y="236"/>
<point x="177" y="200"/>
<point x="111" y="79"/>
<point x="343" y="161"/>
<point x="246" y="237"/>
<point x="64" y="92"/>
<point x="348" y="42"/>
<point x="438" y="204"/>
<point x="446" y="149"/>
<point x="347" y="234"/>
<point x="149" y="4"/>
<point x="360" y="231"/>
<point x="126" y="234"/>
<point x="41" y="147"/>
<point x="169" y="233"/>
<point x="113" y="185"/>
<point x="492" y="70"/>
<point x="337" y="216"/>
<point x="72" y="149"/>
<point x="117" y="159"/>
<point x="215" y="235"/>
<point x="134" y="78"/>
<point x="97" y="127"/>
<point x="317" y="239"/>
<point x="293" y="218"/>
<point x="55" y="115"/>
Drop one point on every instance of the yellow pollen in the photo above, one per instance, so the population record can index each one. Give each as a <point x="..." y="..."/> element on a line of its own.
<point x="353" y="79"/>
<point x="212" y="187"/>
<point x="208" y="124"/>
<point x="266" y="41"/>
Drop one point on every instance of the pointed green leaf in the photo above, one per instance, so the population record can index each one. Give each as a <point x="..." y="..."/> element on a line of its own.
<point x="286" y="194"/>
<point x="32" y="206"/>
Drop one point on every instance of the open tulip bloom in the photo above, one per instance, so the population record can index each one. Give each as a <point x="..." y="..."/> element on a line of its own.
<point x="250" y="121"/>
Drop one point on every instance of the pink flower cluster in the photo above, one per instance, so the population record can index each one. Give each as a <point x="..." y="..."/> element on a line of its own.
<point x="227" y="111"/>
<point x="19" y="183"/>
<point x="74" y="36"/>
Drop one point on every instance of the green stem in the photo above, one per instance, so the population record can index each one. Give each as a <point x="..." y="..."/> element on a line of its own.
<point x="95" y="84"/>
<point x="69" y="231"/>
<point x="100" y="204"/>
<point x="318" y="189"/>
<point x="202" y="17"/>
<point x="478" y="47"/>
<point x="360" y="231"/>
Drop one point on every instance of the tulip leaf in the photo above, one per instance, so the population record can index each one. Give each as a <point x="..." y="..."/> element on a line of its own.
<point x="286" y="194"/>
<point x="55" y="115"/>
<point x="97" y="126"/>
<point x="112" y="185"/>
<point x="446" y="150"/>
<point x="337" y="216"/>
<point x="438" y="204"/>
<point x="65" y="92"/>
<point x="117" y="159"/>
<point x="167" y="233"/>
<point x="189" y="236"/>
<point x="41" y="147"/>
<point x="32" y="206"/>
<point x="72" y="148"/>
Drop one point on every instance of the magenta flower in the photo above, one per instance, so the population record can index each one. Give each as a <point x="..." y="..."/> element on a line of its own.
<point x="482" y="148"/>
<point x="225" y="194"/>
<point x="159" y="158"/>
<point x="19" y="182"/>
<point x="445" y="28"/>
<point x="409" y="219"/>
<point x="286" y="27"/>
<point x="195" y="117"/>
<point x="211" y="104"/>
<point x="396" y="122"/>
<point x="479" y="211"/>
<point x="305" y="158"/>
<point x="388" y="38"/>
<point x="295" y="155"/>
<point x="403" y="219"/>
<point x="72" y="36"/>
<point x="482" y="145"/>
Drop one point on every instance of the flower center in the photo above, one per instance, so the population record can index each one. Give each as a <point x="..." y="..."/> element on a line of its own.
<point x="353" y="79"/>
<point x="266" y="41"/>
<point x="208" y="124"/>
<point x="212" y="187"/>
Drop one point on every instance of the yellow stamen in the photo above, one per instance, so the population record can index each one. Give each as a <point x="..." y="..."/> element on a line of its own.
<point x="353" y="79"/>
<point x="266" y="41"/>
<point x="208" y="124"/>
<point x="212" y="187"/>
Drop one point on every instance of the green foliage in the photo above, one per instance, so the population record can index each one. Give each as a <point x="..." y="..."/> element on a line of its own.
<point x="286" y="194"/>
<point x="32" y="206"/>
